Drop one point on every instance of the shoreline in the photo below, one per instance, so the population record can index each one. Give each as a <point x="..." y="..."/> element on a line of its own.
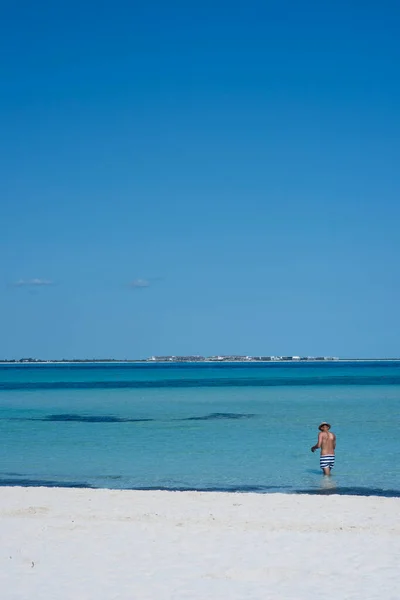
<point x="103" y="544"/>
<point x="326" y="488"/>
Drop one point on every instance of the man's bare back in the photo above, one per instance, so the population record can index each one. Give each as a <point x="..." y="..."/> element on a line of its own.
<point x="327" y="444"/>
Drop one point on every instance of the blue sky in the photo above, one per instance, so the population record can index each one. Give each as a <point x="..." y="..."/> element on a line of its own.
<point x="183" y="177"/>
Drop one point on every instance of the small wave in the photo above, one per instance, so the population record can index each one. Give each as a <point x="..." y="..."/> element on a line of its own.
<point x="25" y="482"/>
<point x="351" y="491"/>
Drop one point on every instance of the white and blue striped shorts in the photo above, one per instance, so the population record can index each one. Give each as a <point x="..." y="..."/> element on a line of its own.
<point x="327" y="460"/>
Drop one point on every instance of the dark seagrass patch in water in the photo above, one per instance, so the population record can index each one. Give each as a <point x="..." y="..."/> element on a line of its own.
<point x="219" y="416"/>
<point x="206" y="382"/>
<point x="91" y="419"/>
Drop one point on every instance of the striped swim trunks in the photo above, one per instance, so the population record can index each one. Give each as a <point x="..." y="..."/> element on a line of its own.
<point x="327" y="460"/>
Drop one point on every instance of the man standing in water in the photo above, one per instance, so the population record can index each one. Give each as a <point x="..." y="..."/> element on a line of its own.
<point x="327" y="443"/>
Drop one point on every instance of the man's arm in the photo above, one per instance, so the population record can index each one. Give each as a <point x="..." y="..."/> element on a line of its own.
<point x="318" y="444"/>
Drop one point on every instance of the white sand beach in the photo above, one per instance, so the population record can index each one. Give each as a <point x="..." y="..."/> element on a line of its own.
<point x="64" y="544"/>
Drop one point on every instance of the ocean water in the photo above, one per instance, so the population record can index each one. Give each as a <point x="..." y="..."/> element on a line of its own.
<point x="229" y="427"/>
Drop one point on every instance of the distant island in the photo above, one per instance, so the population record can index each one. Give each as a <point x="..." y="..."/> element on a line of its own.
<point x="174" y="359"/>
<point x="235" y="358"/>
<point x="191" y="359"/>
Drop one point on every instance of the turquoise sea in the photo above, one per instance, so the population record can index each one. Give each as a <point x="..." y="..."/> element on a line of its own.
<point x="230" y="426"/>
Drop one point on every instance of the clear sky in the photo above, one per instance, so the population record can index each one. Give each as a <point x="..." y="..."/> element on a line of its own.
<point x="199" y="178"/>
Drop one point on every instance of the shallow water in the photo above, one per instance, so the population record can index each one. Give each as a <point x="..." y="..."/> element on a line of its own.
<point x="203" y="427"/>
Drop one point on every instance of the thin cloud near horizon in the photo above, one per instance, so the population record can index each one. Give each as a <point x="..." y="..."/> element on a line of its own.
<point x="139" y="284"/>
<point x="37" y="282"/>
<point x="142" y="282"/>
<point x="34" y="282"/>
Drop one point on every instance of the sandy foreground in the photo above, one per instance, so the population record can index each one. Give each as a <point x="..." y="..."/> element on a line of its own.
<point x="64" y="544"/>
